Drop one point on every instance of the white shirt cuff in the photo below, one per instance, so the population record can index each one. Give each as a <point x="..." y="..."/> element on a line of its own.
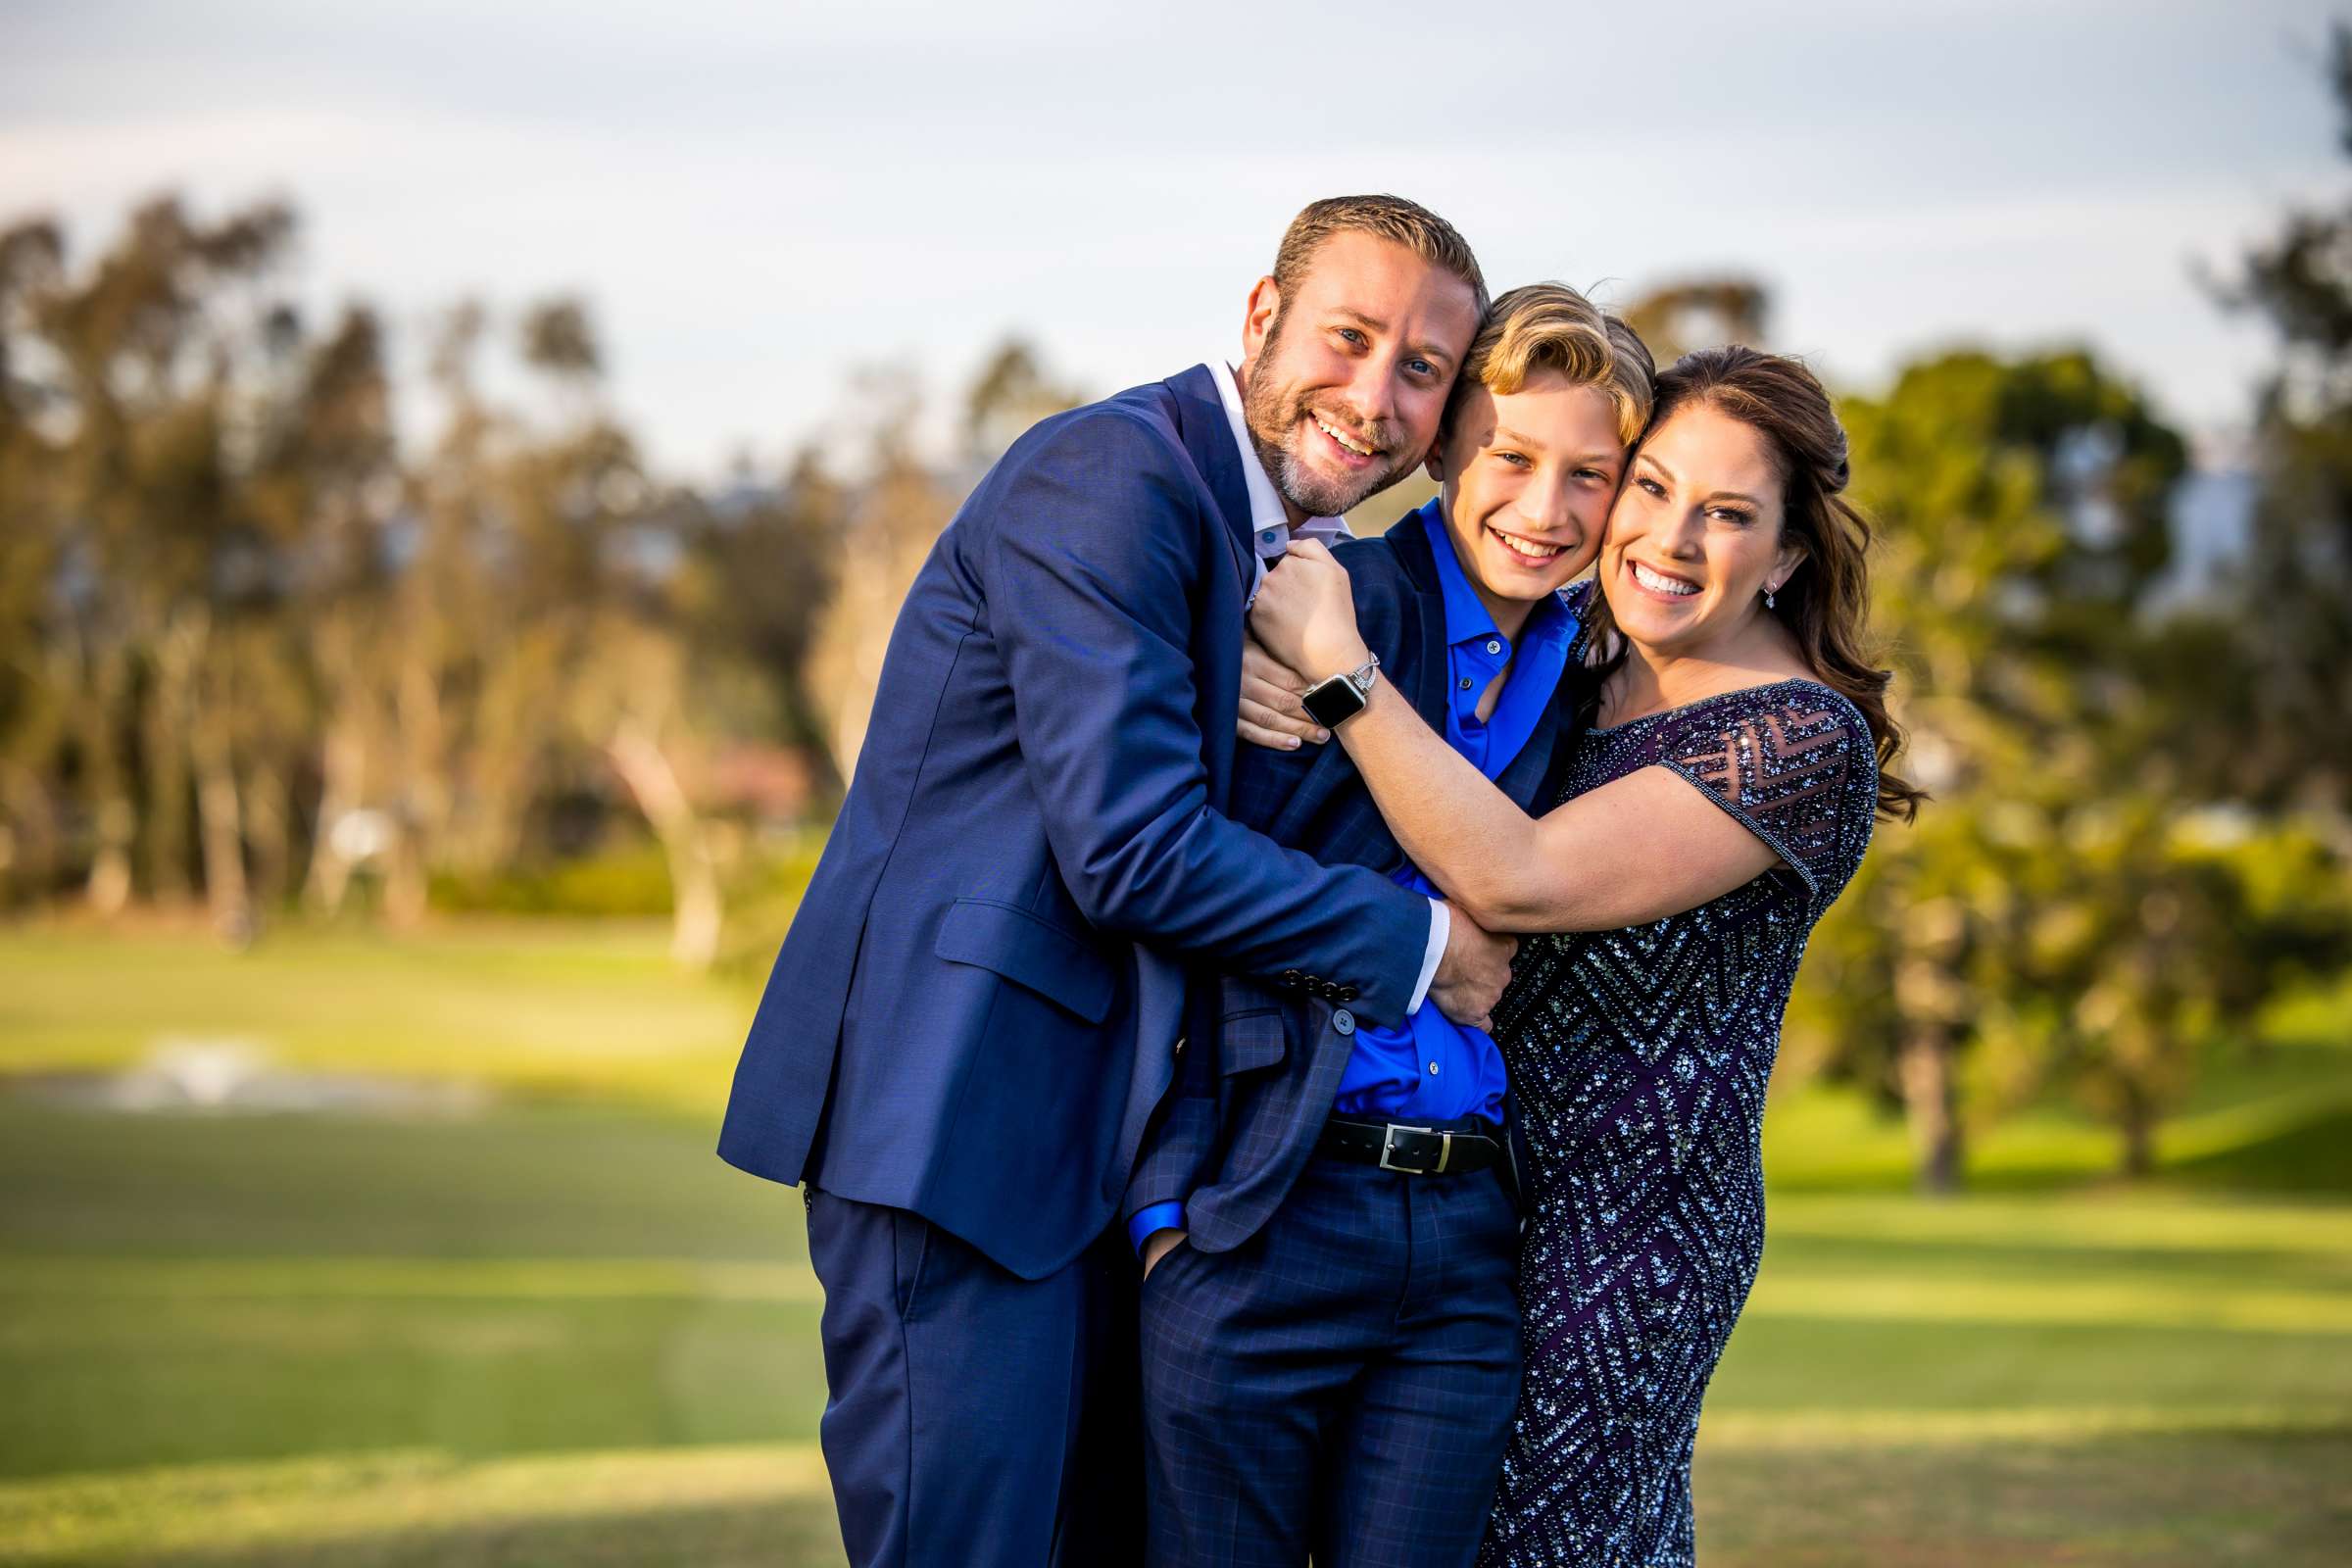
<point x="1441" y="927"/>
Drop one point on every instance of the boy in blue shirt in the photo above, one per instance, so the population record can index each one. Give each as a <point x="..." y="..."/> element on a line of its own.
<point x="1330" y="1336"/>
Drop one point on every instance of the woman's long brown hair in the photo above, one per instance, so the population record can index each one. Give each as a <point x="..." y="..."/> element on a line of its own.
<point x="1826" y="601"/>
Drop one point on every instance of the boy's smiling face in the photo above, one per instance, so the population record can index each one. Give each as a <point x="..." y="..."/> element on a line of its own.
<point x="1527" y="479"/>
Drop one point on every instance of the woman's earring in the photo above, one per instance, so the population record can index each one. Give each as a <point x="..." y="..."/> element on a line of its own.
<point x="1768" y="599"/>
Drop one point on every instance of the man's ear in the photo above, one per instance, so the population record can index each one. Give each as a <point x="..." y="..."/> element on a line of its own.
<point x="1265" y="304"/>
<point x="1435" y="463"/>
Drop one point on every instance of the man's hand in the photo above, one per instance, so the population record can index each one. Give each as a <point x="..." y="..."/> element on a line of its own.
<point x="1473" y="973"/>
<point x="1159" y="1244"/>
<point x="1304" y="613"/>
<point x="1271" y="714"/>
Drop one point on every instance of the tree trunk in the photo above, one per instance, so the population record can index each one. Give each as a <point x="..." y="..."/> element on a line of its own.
<point x="343" y="770"/>
<point x="112" y="815"/>
<point x="405" y="889"/>
<point x="166" y="744"/>
<point x="220" y="819"/>
<point x="425" y="772"/>
<point x="269" y="829"/>
<point x="31" y="862"/>
<point x="696" y="909"/>
<point x="1930" y="1107"/>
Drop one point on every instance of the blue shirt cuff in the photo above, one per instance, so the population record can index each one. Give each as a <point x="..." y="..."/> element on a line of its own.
<point x="1155" y="1217"/>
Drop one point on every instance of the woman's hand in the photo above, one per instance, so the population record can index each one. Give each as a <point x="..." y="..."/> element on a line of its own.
<point x="1305" y="614"/>
<point x="1271" y="714"/>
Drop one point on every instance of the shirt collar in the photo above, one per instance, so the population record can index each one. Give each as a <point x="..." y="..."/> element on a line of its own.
<point x="1466" y="617"/>
<point x="1265" y="502"/>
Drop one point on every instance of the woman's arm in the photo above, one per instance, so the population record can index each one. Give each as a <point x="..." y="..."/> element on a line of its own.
<point x="1645" y="847"/>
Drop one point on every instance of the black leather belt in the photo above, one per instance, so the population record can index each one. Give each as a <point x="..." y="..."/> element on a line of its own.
<point x="1411" y="1149"/>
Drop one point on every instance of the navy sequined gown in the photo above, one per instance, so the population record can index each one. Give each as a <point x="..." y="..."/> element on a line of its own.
<point x="1639" y="1061"/>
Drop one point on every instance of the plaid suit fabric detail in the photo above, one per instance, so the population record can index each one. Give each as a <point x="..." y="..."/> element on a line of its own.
<point x="1341" y="1383"/>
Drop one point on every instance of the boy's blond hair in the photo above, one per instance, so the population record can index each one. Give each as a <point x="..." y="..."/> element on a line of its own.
<point x="1550" y="327"/>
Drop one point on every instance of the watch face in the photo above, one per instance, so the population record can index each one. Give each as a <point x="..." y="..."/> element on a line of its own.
<point x="1329" y="702"/>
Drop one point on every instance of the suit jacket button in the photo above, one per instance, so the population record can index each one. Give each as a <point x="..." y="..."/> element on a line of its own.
<point x="1348" y="993"/>
<point x="1342" y="1021"/>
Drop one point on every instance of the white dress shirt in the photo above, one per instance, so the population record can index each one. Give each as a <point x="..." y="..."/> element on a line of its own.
<point x="1271" y="533"/>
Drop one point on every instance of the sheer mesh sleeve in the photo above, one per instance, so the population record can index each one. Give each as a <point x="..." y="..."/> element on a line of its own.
<point x="1796" y="764"/>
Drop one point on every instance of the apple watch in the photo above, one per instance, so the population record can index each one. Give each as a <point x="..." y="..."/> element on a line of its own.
<point x="1331" y="702"/>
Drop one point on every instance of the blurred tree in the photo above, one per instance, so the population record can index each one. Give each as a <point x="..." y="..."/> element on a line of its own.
<point x="891" y="523"/>
<point x="1698" y="314"/>
<point x="2150" y="944"/>
<point x="2022" y="512"/>
<point x="1011" y="392"/>
<point x="2294" y="600"/>
<point x="764" y="563"/>
<point x="237" y="631"/>
<point x="894" y="518"/>
<point x="137" y="392"/>
<point x="36" y="722"/>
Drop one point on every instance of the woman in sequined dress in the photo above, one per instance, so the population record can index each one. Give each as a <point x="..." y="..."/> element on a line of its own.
<point x="1732" y="757"/>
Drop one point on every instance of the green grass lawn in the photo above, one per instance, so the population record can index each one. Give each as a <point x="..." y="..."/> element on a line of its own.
<point x="565" y="1008"/>
<point x="557" y="1331"/>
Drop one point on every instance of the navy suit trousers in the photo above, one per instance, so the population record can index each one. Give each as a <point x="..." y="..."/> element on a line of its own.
<point x="1341" y="1383"/>
<point x="977" y="1419"/>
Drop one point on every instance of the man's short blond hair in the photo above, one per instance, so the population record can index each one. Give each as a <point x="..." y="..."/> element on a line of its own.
<point x="1390" y="218"/>
<point x="1550" y="327"/>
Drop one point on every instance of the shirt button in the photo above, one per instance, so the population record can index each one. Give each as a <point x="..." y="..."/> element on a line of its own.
<point x="1432" y="1070"/>
<point x="1465" y="683"/>
<point x="1493" y="645"/>
<point x="1343" y="1022"/>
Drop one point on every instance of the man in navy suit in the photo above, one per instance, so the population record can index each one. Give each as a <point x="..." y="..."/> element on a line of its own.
<point x="1330" y="1331"/>
<point x="983" y="999"/>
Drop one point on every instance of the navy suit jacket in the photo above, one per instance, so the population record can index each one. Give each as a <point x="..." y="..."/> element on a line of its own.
<point x="1247" y="1113"/>
<point x="979" y="1005"/>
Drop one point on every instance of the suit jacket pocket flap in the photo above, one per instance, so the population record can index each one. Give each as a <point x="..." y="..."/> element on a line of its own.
<point x="1252" y="1029"/>
<point x="1028" y="951"/>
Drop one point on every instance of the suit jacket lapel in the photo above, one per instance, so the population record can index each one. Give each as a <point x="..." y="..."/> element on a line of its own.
<point x="1207" y="435"/>
<point x="1431" y="670"/>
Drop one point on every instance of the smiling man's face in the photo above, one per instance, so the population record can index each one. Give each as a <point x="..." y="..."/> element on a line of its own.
<point x="1343" y="382"/>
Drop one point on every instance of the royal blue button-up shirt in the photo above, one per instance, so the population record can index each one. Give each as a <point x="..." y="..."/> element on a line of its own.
<point x="1430" y="1068"/>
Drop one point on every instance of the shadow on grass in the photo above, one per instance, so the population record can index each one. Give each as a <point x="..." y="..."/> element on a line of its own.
<point x="2312" y="1157"/>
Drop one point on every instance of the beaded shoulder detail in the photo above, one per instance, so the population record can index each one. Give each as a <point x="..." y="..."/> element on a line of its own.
<point x="1792" y="761"/>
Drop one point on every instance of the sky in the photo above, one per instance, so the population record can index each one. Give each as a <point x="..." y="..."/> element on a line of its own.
<point x="759" y="200"/>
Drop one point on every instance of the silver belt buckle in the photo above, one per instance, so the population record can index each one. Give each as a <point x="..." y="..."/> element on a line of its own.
<point x="1388" y="1148"/>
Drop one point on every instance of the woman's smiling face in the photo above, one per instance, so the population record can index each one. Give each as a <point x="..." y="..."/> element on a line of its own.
<point x="1694" y="539"/>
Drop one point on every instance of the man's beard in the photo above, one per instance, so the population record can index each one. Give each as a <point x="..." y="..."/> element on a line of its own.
<point x="1273" y="416"/>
